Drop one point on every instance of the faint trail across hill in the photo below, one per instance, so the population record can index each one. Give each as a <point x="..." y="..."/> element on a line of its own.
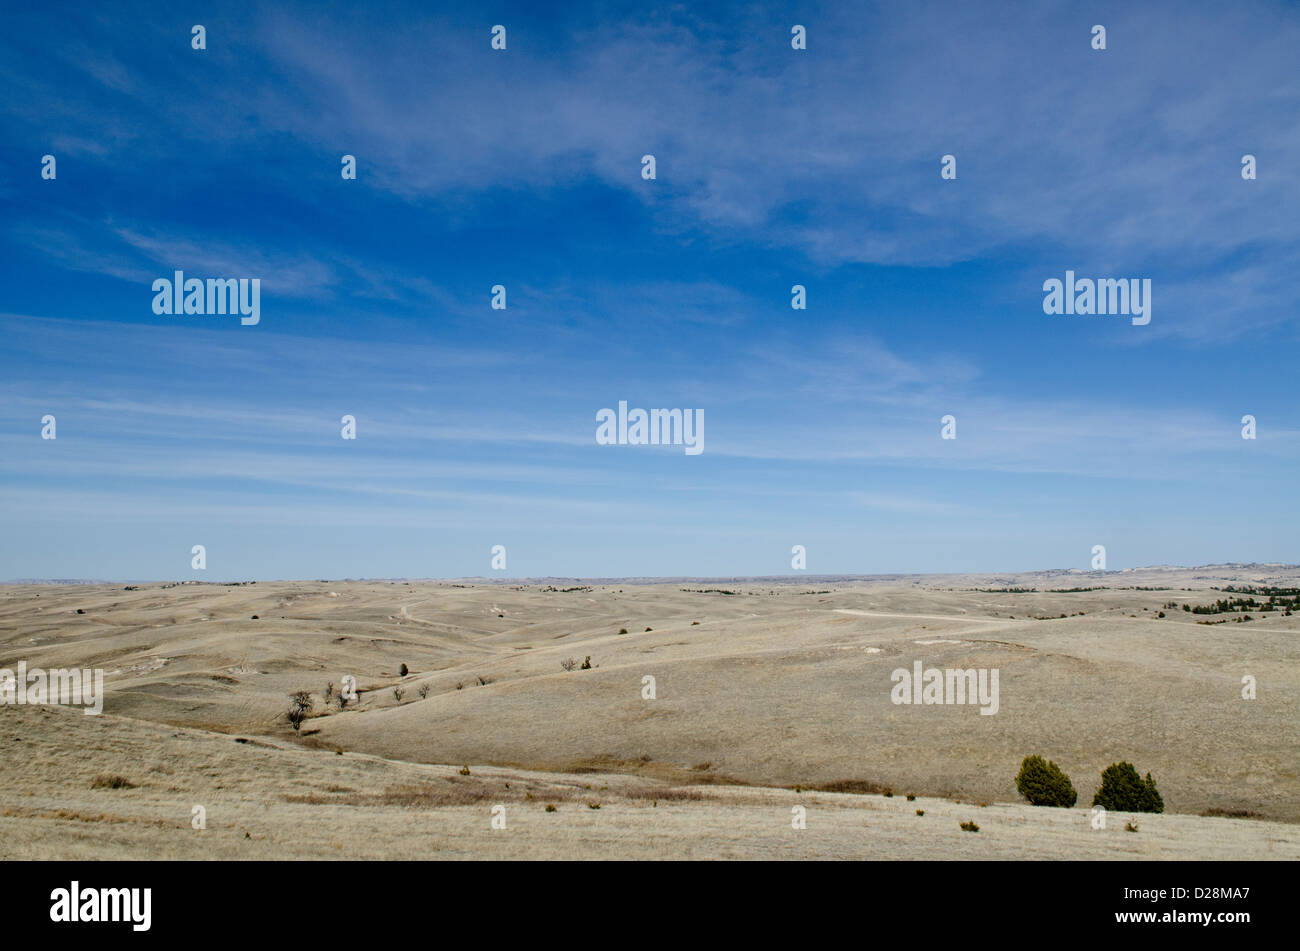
<point x="929" y="617"/>
<point x="457" y="633"/>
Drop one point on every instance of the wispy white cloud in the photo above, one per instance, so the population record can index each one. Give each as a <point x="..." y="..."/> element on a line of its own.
<point x="1124" y="160"/>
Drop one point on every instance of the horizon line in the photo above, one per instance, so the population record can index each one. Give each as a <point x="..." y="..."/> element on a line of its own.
<point x="666" y="579"/>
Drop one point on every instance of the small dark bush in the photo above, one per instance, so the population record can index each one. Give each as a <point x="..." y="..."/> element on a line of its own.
<point x="402" y="671"/>
<point x="111" y="781"/>
<point x="1123" y="790"/>
<point x="1043" y="784"/>
<point x="969" y="827"/>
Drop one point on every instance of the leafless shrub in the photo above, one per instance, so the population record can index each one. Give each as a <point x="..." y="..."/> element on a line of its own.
<point x="299" y="707"/>
<point x="568" y="663"/>
<point x="451" y="791"/>
<point x="111" y="781"/>
<point x="398" y="693"/>
<point x="668" y="795"/>
<point x="1231" y="813"/>
<point x="859" y="786"/>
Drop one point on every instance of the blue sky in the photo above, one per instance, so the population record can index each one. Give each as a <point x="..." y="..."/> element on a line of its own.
<point x="522" y="168"/>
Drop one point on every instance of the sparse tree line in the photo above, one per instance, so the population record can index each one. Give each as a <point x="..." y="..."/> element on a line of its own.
<point x="1225" y="606"/>
<point x="301" y="702"/>
<point x="1043" y="783"/>
<point x="1293" y="593"/>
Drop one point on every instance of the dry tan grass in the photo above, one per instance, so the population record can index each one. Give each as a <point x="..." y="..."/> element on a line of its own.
<point x="766" y="693"/>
